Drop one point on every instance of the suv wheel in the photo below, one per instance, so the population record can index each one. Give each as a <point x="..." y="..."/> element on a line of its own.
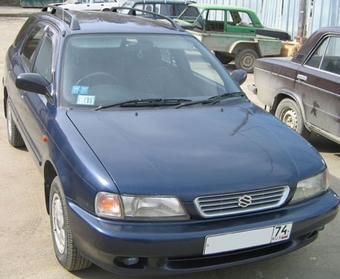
<point x="64" y="246"/>
<point x="290" y="114"/>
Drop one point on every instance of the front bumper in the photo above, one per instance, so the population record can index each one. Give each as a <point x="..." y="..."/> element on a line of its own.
<point x="153" y="248"/>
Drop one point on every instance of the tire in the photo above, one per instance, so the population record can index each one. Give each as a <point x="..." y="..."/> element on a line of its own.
<point x="63" y="243"/>
<point x="245" y="59"/>
<point x="290" y="114"/>
<point x="225" y="59"/>
<point x="13" y="134"/>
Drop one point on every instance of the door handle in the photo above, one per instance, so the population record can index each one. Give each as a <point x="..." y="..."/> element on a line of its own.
<point x="301" y="77"/>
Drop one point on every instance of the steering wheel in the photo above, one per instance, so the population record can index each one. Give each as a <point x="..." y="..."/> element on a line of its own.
<point x="97" y="78"/>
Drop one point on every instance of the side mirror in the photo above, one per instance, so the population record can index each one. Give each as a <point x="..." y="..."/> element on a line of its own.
<point x="32" y="82"/>
<point x="239" y="76"/>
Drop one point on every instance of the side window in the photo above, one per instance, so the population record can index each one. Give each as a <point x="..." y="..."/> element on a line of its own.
<point x="179" y="8"/>
<point x="245" y="19"/>
<point x="215" y="21"/>
<point x="216" y="15"/>
<point x="190" y="13"/>
<point x="166" y="9"/>
<point x="142" y="7"/>
<point x="331" y="59"/>
<point x="326" y="57"/>
<point x="43" y="62"/>
<point x="22" y="33"/>
<point x="236" y="18"/>
<point x="31" y="44"/>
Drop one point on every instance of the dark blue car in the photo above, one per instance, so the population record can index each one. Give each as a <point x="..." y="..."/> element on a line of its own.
<point x="154" y="161"/>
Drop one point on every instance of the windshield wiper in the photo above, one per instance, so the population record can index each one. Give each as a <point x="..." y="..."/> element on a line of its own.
<point x="213" y="100"/>
<point x="216" y="99"/>
<point x="157" y="102"/>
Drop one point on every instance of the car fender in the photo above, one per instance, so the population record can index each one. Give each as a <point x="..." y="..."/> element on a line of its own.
<point x="237" y="46"/>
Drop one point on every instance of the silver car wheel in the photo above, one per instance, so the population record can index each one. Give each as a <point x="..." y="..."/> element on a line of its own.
<point x="58" y="223"/>
<point x="289" y="117"/>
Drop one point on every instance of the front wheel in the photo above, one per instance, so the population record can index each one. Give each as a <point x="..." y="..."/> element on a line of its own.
<point x="64" y="246"/>
<point x="245" y="60"/>
<point x="290" y="114"/>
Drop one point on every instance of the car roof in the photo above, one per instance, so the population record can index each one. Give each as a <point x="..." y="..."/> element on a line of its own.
<point x="107" y="22"/>
<point x="312" y="41"/>
<point x="220" y="7"/>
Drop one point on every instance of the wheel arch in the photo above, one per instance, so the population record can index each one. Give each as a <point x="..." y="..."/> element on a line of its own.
<point x="238" y="46"/>
<point x="287" y="95"/>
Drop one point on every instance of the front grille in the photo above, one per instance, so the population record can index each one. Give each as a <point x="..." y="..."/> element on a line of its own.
<point x="241" y="202"/>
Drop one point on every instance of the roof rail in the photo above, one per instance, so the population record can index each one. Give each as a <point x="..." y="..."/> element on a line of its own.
<point x="69" y="18"/>
<point x="148" y="14"/>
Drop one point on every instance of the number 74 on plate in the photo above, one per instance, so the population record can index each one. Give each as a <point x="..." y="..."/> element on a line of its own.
<point x="281" y="232"/>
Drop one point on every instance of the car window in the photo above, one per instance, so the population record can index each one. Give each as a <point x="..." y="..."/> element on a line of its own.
<point x="326" y="56"/>
<point x="43" y="63"/>
<point x="243" y="19"/>
<point x="189" y="14"/>
<point x="165" y="9"/>
<point x="331" y="59"/>
<point x="215" y="15"/>
<point x="147" y="7"/>
<point x="120" y="68"/>
<point x="31" y="44"/>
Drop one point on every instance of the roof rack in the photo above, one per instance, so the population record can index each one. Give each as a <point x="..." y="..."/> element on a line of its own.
<point x="148" y="14"/>
<point x="69" y="18"/>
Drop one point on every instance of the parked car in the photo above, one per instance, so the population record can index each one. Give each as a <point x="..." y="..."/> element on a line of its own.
<point x="169" y="8"/>
<point x="153" y="159"/>
<point x="303" y="91"/>
<point x="232" y="33"/>
<point x="89" y="5"/>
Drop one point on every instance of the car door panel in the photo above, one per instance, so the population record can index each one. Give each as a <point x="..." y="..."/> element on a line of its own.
<point x="321" y="102"/>
<point x="318" y="83"/>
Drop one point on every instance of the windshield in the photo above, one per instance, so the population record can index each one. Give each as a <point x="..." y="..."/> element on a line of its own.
<point x="102" y="69"/>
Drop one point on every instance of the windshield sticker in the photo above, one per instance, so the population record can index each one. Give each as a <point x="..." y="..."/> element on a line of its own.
<point x="85" y="100"/>
<point x="78" y="89"/>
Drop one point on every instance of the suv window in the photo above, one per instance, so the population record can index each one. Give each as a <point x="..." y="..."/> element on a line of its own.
<point x="43" y="64"/>
<point x="158" y="66"/>
<point x="31" y="44"/>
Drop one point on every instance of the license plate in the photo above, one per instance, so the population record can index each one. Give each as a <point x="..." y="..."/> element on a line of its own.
<point x="246" y="239"/>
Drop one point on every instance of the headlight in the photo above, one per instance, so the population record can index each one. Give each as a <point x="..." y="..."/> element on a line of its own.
<point x="139" y="207"/>
<point x="312" y="186"/>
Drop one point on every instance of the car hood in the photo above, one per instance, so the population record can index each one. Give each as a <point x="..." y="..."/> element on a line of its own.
<point x="195" y="151"/>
